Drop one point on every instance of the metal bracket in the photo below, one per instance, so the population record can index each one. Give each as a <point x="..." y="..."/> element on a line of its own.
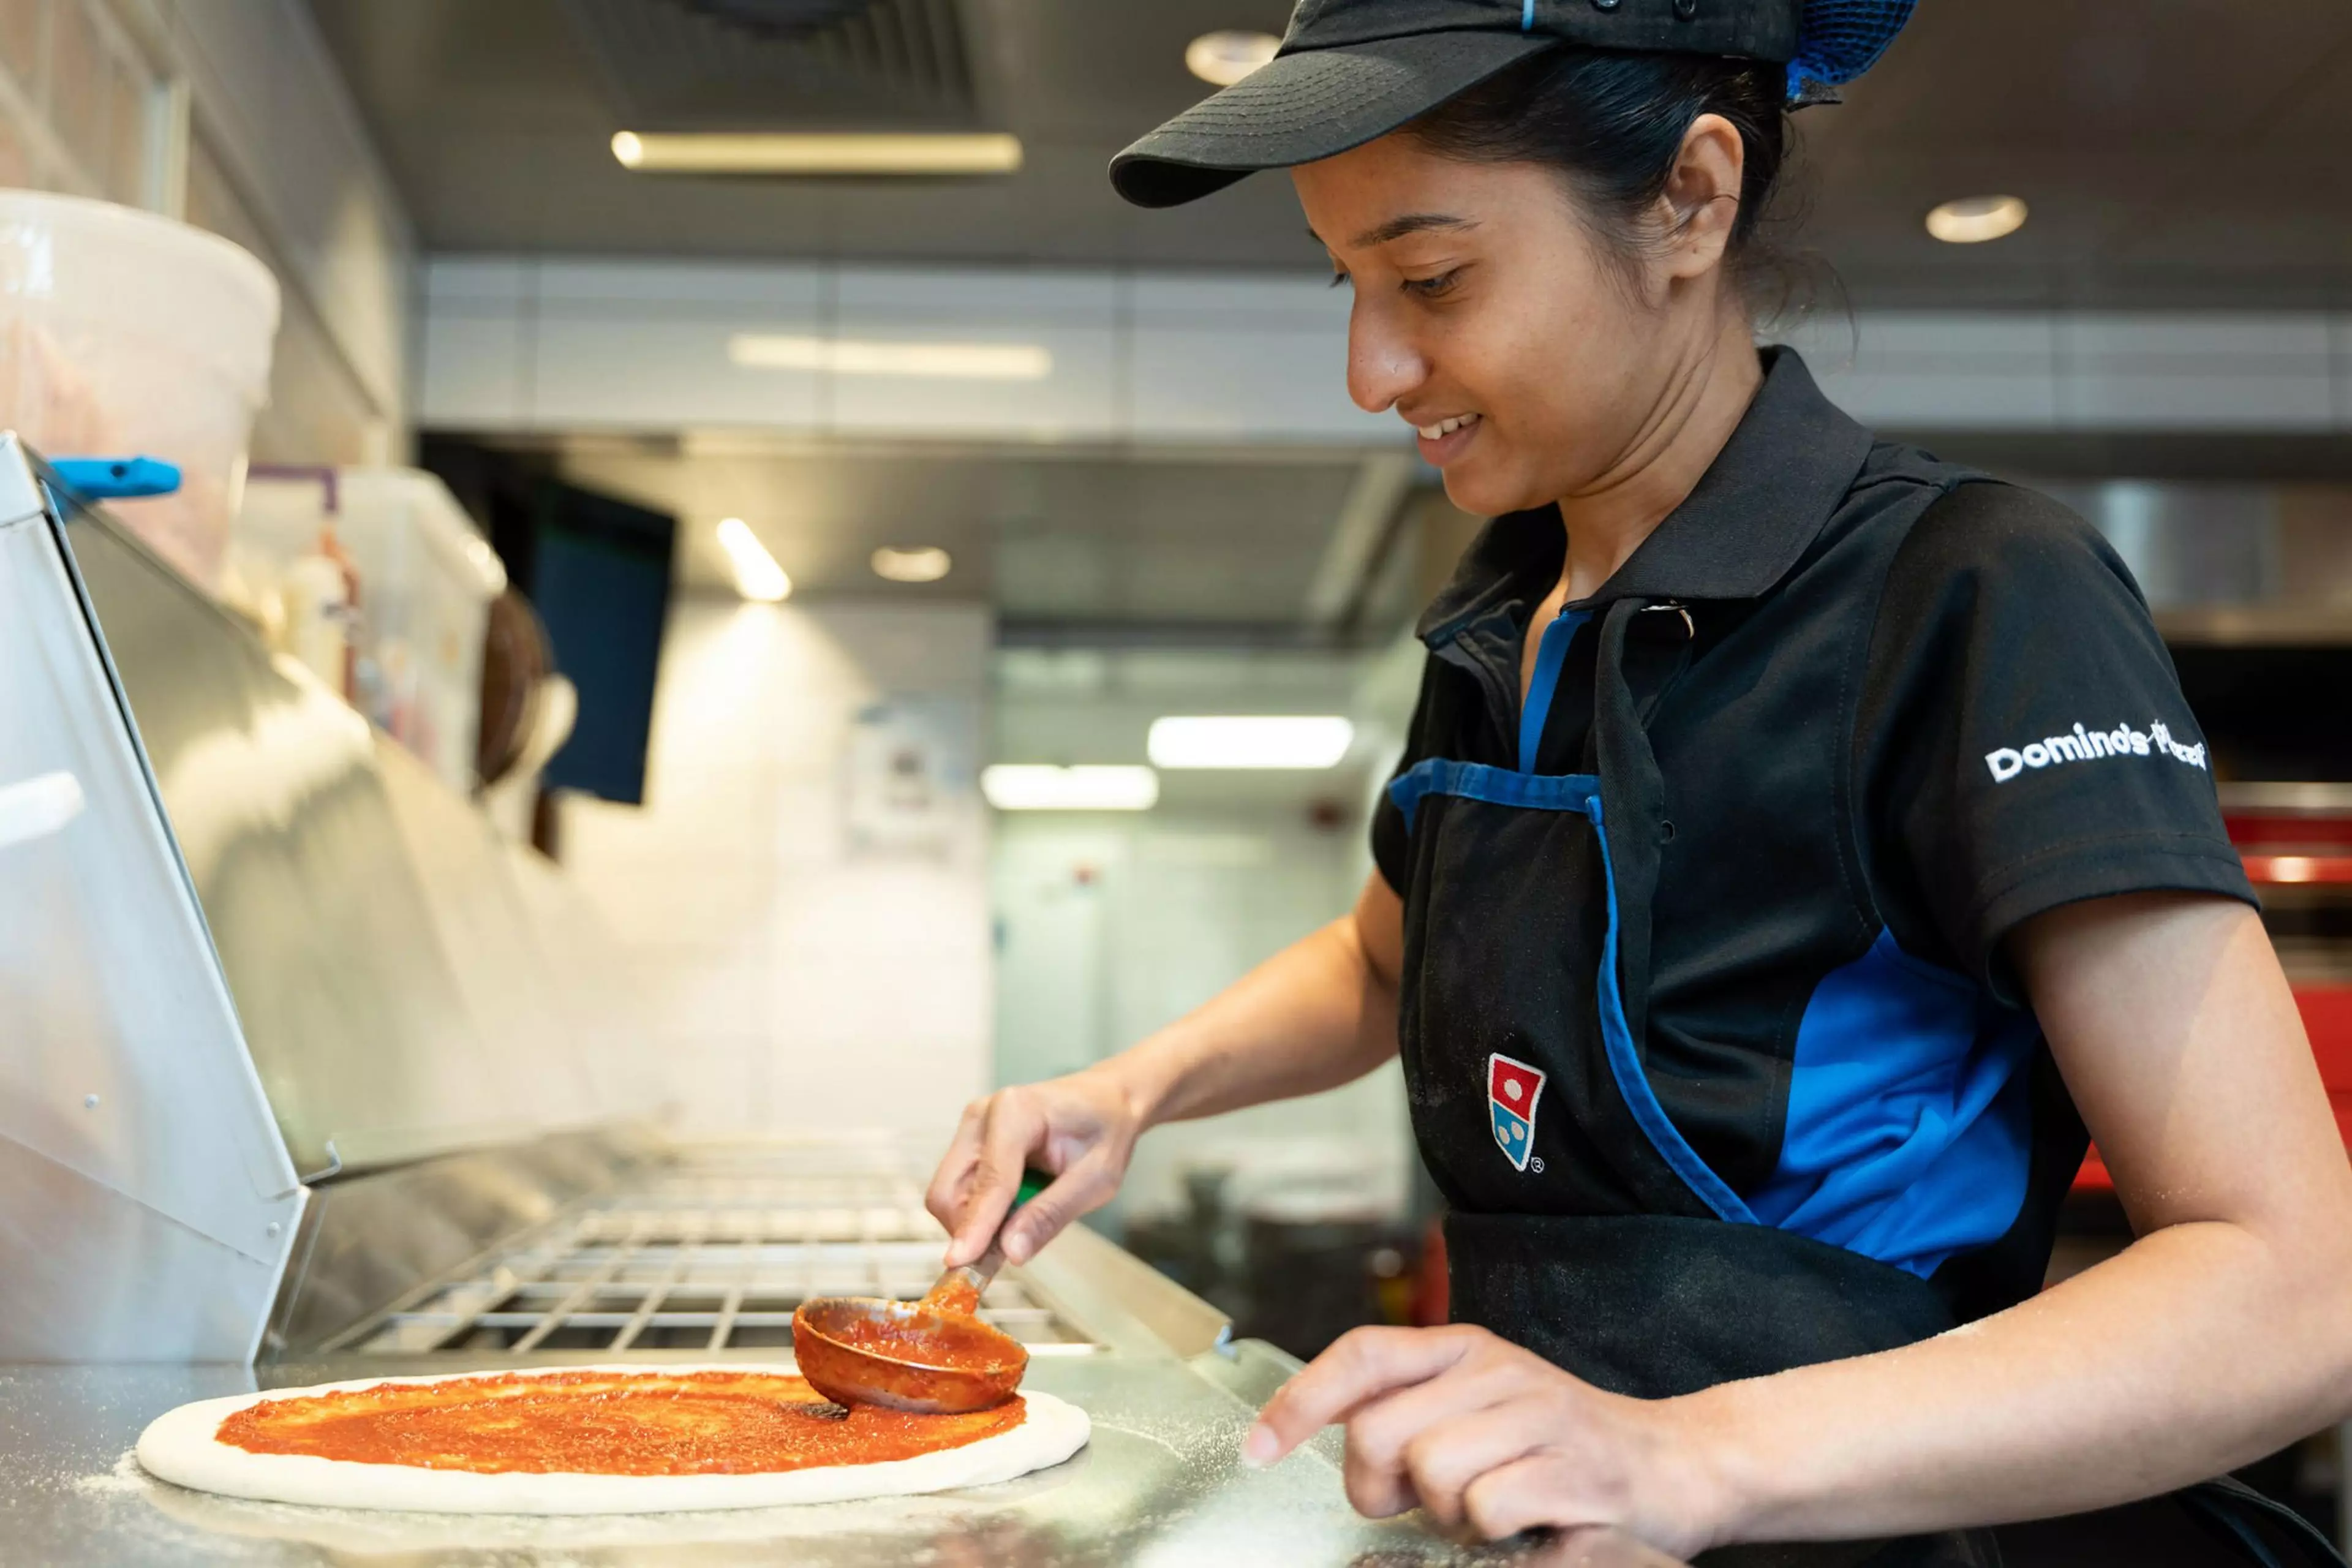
<point x="1675" y="607"/>
<point x="334" y="1167"/>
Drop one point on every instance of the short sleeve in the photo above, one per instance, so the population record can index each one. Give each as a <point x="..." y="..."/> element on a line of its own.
<point x="2021" y="736"/>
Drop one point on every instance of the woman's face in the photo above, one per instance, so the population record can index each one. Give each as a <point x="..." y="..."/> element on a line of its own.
<point x="1488" y="317"/>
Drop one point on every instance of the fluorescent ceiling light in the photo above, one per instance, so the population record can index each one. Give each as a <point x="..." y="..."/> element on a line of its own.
<point x="1026" y="786"/>
<point x="1972" y="220"/>
<point x="794" y="153"/>
<point x="1252" y="742"/>
<point x="756" y="575"/>
<point x="919" y="564"/>
<point x="848" y="356"/>
<point x="1225" y="58"/>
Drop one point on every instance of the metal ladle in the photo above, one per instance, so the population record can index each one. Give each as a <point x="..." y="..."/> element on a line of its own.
<point x="933" y="1356"/>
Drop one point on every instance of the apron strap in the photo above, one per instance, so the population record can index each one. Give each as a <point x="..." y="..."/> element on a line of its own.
<point x="1636" y="795"/>
<point x="2233" y="1510"/>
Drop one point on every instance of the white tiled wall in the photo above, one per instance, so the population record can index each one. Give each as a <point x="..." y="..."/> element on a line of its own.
<point x="793" y="980"/>
<point x="271" y="106"/>
<point x="1990" y="369"/>
<point x="515" y="344"/>
<point x="1109" y="927"/>
<point x="1240" y="357"/>
<point x="2242" y="371"/>
<point x="1243" y="359"/>
<point x="2106" y="370"/>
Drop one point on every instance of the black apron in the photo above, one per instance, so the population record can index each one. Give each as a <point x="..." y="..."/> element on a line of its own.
<point x="1656" y="1281"/>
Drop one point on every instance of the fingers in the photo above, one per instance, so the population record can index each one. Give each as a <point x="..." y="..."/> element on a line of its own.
<point x="1376" y="1492"/>
<point x="944" y="1198"/>
<point x="1083" y="1188"/>
<point x="1424" y="1445"/>
<point x="1520" y="1495"/>
<point x="1010" y="1127"/>
<point x="1442" y="1460"/>
<point x="1073" y="1126"/>
<point x="1363" y="1365"/>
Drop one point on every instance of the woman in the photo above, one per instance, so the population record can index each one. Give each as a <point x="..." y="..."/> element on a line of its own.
<point x="1794" y="832"/>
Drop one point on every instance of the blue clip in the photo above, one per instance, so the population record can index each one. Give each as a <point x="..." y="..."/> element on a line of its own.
<point x="118" y="479"/>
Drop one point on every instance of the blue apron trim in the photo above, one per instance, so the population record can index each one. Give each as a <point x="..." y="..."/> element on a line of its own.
<point x="1909" y="1135"/>
<point x="1528" y="16"/>
<point x="1581" y="793"/>
<point x="1551" y="652"/>
<point x="1498" y="786"/>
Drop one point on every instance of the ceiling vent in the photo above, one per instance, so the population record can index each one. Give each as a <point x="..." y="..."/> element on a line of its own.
<point x="780" y="65"/>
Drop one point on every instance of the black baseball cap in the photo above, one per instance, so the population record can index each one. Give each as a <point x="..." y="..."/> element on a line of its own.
<point x="1351" y="70"/>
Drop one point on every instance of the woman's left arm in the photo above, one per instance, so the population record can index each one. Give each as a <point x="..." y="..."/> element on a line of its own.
<point x="2222" y="1333"/>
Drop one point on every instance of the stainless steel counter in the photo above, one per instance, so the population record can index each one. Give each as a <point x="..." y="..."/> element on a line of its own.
<point x="1160" y="1483"/>
<point x="686" y="1257"/>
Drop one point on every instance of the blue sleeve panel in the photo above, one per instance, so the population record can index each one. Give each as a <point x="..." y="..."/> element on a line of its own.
<point x="1909" y="1126"/>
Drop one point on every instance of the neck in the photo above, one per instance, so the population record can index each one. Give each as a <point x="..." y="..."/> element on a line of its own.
<point x="1701" y="405"/>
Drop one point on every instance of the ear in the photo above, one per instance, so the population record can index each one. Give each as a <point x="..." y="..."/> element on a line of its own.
<point x="1701" y="200"/>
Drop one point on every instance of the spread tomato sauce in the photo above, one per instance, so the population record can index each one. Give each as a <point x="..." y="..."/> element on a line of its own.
<point x="610" y="1423"/>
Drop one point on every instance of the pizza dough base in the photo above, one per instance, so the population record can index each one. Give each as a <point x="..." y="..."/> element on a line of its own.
<point x="179" y="1447"/>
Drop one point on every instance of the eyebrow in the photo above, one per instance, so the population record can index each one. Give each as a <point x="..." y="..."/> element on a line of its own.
<point x="1398" y="228"/>
<point x="1411" y="223"/>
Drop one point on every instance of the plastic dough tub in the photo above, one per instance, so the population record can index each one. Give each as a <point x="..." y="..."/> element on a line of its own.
<point x="123" y="332"/>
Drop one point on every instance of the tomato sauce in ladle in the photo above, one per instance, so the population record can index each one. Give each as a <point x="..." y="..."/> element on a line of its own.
<point x="934" y="1356"/>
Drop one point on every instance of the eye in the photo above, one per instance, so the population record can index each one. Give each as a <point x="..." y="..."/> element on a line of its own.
<point x="1339" y="278"/>
<point x="1432" y="288"/>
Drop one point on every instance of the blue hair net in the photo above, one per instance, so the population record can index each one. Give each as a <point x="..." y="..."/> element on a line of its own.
<point x="1838" y="41"/>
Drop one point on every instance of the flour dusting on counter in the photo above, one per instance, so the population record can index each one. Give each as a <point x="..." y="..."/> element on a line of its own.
<point x="125" y="1478"/>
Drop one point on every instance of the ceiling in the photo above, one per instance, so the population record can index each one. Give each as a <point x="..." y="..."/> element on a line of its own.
<point x="1070" y="547"/>
<point x="2174" y="155"/>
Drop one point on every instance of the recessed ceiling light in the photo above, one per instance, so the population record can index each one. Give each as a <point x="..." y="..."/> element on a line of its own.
<point x="1972" y="220"/>
<point x="850" y="357"/>
<point x="913" y="563"/>
<point x="756" y="575"/>
<point x="1253" y="741"/>
<point x="1028" y="786"/>
<point x="795" y="152"/>
<point x="1225" y="58"/>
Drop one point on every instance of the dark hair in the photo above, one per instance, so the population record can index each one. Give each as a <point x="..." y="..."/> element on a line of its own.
<point x="1612" y="122"/>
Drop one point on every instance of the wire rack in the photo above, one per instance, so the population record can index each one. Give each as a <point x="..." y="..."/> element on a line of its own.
<point x="711" y="1251"/>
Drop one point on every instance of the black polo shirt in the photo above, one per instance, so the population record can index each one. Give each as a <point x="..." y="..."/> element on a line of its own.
<point x="1917" y="708"/>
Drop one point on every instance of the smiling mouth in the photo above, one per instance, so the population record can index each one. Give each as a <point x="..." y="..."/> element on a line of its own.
<point x="1445" y="426"/>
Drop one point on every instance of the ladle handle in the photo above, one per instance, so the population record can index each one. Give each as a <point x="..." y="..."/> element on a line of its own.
<point x="960" y="1287"/>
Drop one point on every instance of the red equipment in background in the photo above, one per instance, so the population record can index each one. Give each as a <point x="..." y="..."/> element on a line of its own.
<point x="2296" y="842"/>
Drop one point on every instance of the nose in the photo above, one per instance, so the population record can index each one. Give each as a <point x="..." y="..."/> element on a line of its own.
<point x="1383" y="364"/>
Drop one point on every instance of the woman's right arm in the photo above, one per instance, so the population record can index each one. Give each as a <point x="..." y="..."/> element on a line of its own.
<point x="1315" y="1015"/>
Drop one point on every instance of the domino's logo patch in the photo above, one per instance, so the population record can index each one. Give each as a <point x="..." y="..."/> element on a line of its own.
<point x="1512" y="1089"/>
